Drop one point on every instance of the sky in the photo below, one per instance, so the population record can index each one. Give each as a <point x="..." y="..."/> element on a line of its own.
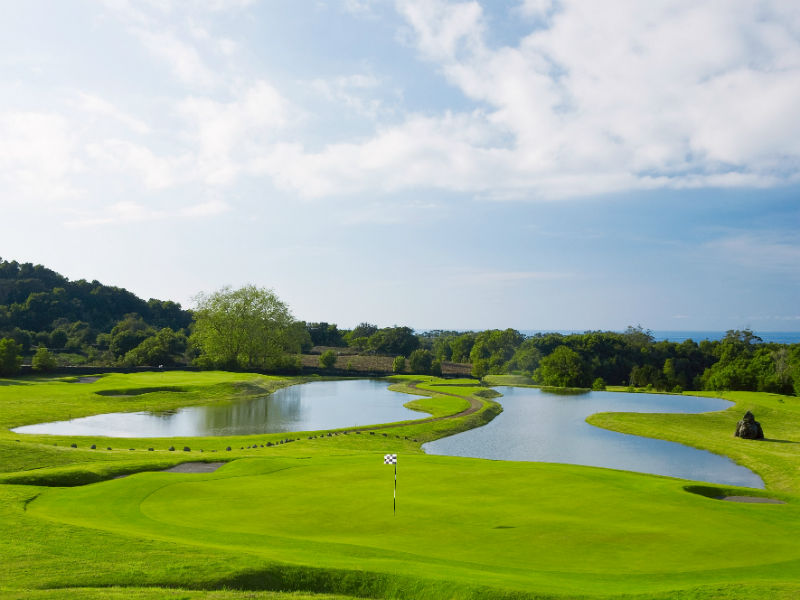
<point x="536" y="164"/>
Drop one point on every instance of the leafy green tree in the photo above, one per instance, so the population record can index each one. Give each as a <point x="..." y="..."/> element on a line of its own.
<point x="420" y="361"/>
<point x="328" y="359"/>
<point x="58" y="339"/>
<point x="526" y="358"/>
<point x="358" y="337"/>
<point x="436" y="367"/>
<point x="43" y="360"/>
<point x="244" y="328"/>
<point x="563" y="368"/>
<point x="393" y="341"/>
<point x="298" y="338"/>
<point x="461" y="346"/>
<point x="399" y="364"/>
<point x="497" y="347"/>
<point x="10" y="357"/>
<point x="325" y="334"/>
<point x="127" y="334"/>
<point x="164" y="348"/>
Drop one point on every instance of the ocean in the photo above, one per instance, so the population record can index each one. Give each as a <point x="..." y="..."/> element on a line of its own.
<point x="777" y="337"/>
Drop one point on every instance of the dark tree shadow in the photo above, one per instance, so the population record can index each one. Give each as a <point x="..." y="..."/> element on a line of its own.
<point x="779" y="441"/>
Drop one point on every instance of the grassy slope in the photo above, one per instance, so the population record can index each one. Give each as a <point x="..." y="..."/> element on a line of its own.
<point x="776" y="459"/>
<point x="463" y="524"/>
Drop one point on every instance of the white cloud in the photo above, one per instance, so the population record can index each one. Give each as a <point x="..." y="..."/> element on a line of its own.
<point x="226" y="136"/>
<point x="100" y="107"/>
<point x="37" y="156"/>
<point x="136" y="212"/>
<point x="138" y="160"/>
<point x="607" y="98"/>
<point x="764" y="252"/>
<point x="356" y="92"/>
<point x="181" y="57"/>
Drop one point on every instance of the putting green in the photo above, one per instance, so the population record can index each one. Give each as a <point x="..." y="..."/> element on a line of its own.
<point x="513" y="526"/>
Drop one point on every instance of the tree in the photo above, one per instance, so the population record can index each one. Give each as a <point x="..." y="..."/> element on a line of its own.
<point x="327" y="359"/>
<point x="562" y="368"/>
<point x="164" y="348"/>
<point x="393" y="341"/>
<point x="399" y="364"/>
<point x="10" y="357"/>
<point x="420" y="361"/>
<point x="244" y="328"/>
<point x="43" y="360"/>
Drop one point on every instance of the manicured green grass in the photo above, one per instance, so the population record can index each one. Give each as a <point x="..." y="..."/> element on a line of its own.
<point x="776" y="459"/>
<point x="315" y="515"/>
<point x="461" y="523"/>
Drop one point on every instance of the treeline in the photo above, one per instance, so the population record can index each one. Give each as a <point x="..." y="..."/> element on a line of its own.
<point x="50" y="320"/>
<point x="740" y="361"/>
<point x="87" y="322"/>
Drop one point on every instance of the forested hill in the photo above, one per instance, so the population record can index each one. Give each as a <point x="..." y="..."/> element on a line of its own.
<point x="36" y="299"/>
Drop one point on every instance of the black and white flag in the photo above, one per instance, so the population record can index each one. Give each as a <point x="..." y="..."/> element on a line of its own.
<point x="390" y="459"/>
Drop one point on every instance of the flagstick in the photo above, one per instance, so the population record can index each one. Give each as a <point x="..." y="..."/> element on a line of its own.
<point x="394" y="495"/>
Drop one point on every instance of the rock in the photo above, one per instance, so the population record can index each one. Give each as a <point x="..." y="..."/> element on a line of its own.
<point x="748" y="428"/>
<point x="73" y="445"/>
<point x="150" y="450"/>
<point x="187" y="449"/>
<point x="109" y="448"/>
<point x="93" y="447"/>
<point x="228" y="449"/>
<point x="171" y="448"/>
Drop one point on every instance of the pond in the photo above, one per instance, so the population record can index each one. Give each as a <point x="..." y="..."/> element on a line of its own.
<point x="307" y="407"/>
<point x="537" y="426"/>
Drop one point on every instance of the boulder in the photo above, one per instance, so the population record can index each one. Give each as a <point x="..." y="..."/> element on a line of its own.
<point x="748" y="428"/>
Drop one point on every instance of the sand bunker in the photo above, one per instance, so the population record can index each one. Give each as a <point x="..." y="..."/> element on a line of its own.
<point x="751" y="499"/>
<point x="87" y="379"/>
<point x="195" y="467"/>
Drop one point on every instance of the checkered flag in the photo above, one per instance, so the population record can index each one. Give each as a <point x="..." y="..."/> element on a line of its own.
<point x="390" y="459"/>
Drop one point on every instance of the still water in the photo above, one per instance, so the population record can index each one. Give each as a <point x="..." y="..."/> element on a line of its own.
<point x="307" y="407"/>
<point x="537" y="426"/>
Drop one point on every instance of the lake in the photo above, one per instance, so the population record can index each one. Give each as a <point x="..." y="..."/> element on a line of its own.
<point x="308" y="407"/>
<point x="537" y="426"/>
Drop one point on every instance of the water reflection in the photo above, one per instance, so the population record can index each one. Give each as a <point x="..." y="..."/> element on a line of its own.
<point x="307" y="407"/>
<point x="535" y="426"/>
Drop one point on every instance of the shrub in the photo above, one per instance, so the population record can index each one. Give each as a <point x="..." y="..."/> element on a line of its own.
<point x="599" y="385"/>
<point x="399" y="364"/>
<point x="43" y="360"/>
<point x="327" y="359"/>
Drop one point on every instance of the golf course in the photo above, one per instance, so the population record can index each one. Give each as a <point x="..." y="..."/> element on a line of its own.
<point x="309" y="514"/>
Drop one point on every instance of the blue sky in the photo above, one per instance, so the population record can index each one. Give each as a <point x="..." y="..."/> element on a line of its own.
<point x="532" y="164"/>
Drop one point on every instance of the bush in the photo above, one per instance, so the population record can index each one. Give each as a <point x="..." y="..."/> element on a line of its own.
<point x="43" y="360"/>
<point x="328" y="359"/>
<point x="399" y="364"/>
<point x="599" y="385"/>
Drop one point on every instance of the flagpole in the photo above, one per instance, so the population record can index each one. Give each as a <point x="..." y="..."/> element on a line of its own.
<point x="394" y="495"/>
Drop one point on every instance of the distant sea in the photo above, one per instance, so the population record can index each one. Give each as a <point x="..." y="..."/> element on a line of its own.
<point x="777" y="337"/>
